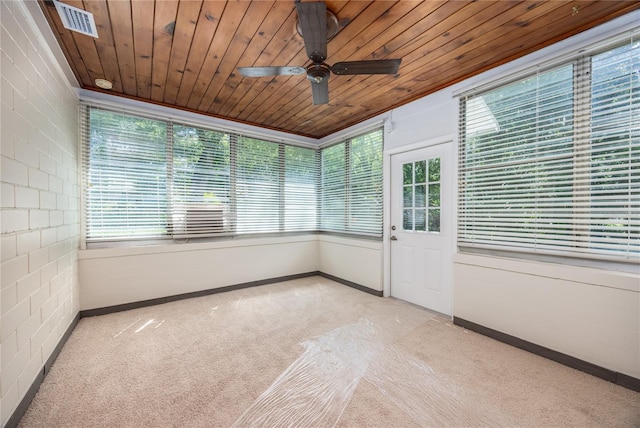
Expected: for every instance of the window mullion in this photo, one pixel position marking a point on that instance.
(347, 186)
(281, 180)
(233, 182)
(319, 192)
(170, 196)
(581, 146)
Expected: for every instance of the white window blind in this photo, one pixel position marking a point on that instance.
(333, 214)
(200, 182)
(351, 185)
(258, 185)
(365, 183)
(551, 163)
(125, 180)
(301, 189)
(154, 179)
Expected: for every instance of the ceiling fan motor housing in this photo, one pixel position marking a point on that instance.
(317, 72)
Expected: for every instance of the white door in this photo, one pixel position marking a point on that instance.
(422, 227)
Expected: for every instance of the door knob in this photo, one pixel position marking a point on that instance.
(393, 238)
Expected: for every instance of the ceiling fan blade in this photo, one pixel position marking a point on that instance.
(270, 71)
(313, 25)
(320, 92)
(376, 66)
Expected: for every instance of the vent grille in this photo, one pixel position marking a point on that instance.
(76, 19)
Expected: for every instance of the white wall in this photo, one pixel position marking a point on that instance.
(356, 260)
(39, 222)
(115, 276)
(590, 314)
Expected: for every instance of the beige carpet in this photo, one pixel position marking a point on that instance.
(309, 352)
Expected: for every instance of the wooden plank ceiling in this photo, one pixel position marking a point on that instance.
(184, 53)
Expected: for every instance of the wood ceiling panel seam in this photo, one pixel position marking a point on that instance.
(229, 22)
(352, 8)
(296, 59)
(190, 54)
(142, 13)
(122, 30)
(369, 86)
(286, 53)
(297, 51)
(110, 65)
(472, 69)
(333, 85)
(100, 12)
(87, 49)
(372, 12)
(389, 26)
(210, 17)
(165, 14)
(593, 21)
(416, 32)
(336, 81)
(67, 44)
(294, 51)
(512, 33)
(376, 84)
(415, 63)
(253, 19)
(417, 96)
(183, 34)
(605, 12)
(282, 46)
(270, 26)
(104, 43)
(472, 50)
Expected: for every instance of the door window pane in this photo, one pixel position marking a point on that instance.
(434, 220)
(407, 173)
(421, 196)
(434, 169)
(421, 220)
(407, 220)
(421, 191)
(408, 197)
(434, 195)
(421, 171)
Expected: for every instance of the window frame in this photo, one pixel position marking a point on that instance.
(285, 226)
(347, 184)
(582, 136)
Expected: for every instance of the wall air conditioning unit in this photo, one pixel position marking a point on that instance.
(198, 220)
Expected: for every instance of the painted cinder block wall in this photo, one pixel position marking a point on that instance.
(40, 208)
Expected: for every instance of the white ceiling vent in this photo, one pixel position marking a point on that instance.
(76, 19)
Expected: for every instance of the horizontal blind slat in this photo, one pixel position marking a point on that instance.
(544, 168)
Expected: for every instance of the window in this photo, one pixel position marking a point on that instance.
(258, 186)
(201, 182)
(421, 196)
(300, 188)
(551, 163)
(153, 179)
(126, 179)
(351, 185)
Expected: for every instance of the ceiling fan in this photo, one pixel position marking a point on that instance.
(312, 24)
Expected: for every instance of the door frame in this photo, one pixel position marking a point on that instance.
(453, 208)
